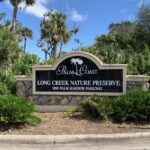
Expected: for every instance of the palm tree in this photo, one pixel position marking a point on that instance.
(26, 33)
(15, 4)
(60, 32)
(54, 31)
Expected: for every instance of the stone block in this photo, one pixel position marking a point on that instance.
(65, 101)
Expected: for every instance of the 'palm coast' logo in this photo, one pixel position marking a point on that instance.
(76, 62)
(78, 70)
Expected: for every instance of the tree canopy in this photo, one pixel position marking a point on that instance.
(126, 42)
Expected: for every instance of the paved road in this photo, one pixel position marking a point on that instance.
(122, 144)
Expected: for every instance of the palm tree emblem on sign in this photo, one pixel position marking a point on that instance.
(76, 62)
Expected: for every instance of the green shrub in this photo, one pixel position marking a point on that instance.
(135, 105)
(7, 85)
(71, 111)
(100, 107)
(10, 81)
(16, 110)
(4, 89)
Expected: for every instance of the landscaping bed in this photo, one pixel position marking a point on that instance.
(57, 124)
(95, 115)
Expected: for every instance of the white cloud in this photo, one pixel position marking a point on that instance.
(38, 9)
(76, 16)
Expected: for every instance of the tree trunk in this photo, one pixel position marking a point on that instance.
(54, 50)
(13, 27)
(25, 43)
(60, 53)
(45, 56)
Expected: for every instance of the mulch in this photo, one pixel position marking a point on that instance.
(58, 124)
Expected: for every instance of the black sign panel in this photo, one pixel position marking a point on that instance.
(79, 74)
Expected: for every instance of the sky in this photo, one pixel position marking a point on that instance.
(92, 17)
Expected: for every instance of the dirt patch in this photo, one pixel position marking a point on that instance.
(57, 124)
